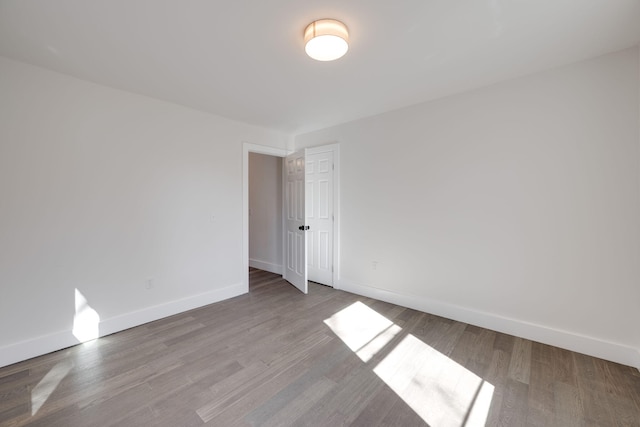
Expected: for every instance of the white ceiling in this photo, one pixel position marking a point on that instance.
(245, 60)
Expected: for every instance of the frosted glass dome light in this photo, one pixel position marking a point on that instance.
(326, 40)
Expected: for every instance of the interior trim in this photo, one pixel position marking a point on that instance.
(568, 340)
(24, 350)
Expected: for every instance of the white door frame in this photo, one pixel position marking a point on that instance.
(280, 152)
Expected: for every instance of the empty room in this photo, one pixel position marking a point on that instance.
(320, 213)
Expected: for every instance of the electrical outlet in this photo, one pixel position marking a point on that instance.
(149, 284)
(374, 265)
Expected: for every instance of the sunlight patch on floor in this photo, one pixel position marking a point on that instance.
(362, 329)
(480, 410)
(86, 322)
(48, 384)
(441, 391)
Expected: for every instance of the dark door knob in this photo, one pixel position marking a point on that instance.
(303, 227)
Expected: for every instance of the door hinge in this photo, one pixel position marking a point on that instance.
(333, 166)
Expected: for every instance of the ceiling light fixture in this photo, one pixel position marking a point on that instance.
(326, 40)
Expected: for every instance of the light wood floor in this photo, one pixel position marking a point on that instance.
(272, 357)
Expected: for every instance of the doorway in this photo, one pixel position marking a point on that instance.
(265, 212)
(331, 259)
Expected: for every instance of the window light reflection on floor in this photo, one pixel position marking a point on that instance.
(48, 384)
(441, 391)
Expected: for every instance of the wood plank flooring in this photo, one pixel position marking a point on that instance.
(275, 357)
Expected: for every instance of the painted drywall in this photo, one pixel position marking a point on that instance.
(111, 193)
(265, 212)
(516, 206)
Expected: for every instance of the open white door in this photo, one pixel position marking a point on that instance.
(295, 271)
(319, 214)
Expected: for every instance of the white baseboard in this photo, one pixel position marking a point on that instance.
(13, 353)
(266, 266)
(579, 343)
(34, 347)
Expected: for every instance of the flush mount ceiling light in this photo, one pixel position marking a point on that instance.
(326, 40)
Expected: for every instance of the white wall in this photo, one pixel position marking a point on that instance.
(515, 207)
(265, 212)
(101, 190)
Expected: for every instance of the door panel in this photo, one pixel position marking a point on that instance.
(319, 212)
(296, 244)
